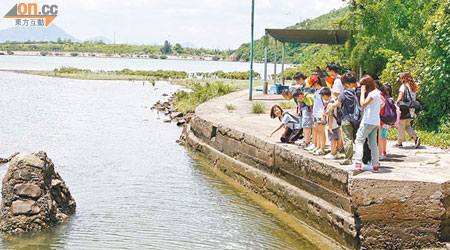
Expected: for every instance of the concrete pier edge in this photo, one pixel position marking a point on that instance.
(394, 209)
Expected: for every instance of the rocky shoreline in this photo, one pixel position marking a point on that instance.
(173, 115)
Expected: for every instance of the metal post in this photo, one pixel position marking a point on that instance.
(282, 65)
(275, 64)
(360, 72)
(251, 53)
(265, 66)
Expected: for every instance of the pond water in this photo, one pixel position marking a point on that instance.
(135, 188)
(97, 63)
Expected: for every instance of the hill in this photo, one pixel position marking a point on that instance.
(23, 34)
(295, 53)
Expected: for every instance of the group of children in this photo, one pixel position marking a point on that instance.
(342, 110)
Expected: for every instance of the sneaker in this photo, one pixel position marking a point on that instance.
(375, 169)
(327, 151)
(330, 157)
(310, 147)
(417, 142)
(366, 167)
(319, 152)
(298, 143)
(340, 156)
(382, 157)
(384, 154)
(343, 163)
(398, 145)
(314, 150)
(357, 166)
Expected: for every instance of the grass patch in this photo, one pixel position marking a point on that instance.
(236, 84)
(288, 105)
(188, 101)
(438, 139)
(230, 107)
(258, 108)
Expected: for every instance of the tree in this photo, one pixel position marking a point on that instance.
(435, 88)
(166, 49)
(178, 48)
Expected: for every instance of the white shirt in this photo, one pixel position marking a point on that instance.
(337, 86)
(402, 89)
(290, 122)
(318, 104)
(372, 111)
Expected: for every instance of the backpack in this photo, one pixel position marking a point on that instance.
(339, 115)
(356, 117)
(390, 111)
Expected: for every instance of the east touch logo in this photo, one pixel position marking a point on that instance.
(29, 14)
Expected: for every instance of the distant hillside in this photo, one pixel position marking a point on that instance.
(294, 52)
(22, 34)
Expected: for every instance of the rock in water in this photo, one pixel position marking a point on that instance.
(34, 196)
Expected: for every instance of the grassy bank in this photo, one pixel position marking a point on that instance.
(201, 92)
(439, 139)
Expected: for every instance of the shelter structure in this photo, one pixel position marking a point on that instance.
(298, 36)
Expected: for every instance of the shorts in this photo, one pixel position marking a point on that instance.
(307, 121)
(335, 135)
(384, 133)
(320, 121)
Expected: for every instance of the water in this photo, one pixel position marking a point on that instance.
(135, 188)
(97, 63)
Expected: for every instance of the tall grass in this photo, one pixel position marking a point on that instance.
(258, 108)
(188, 101)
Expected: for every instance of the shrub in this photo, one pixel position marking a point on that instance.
(258, 108)
(163, 57)
(216, 58)
(230, 107)
(188, 101)
(44, 53)
(74, 54)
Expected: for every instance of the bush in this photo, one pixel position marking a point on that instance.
(188, 101)
(74, 54)
(230, 107)
(10, 52)
(258, 108)
(163, 57)
(44, 53)
(216, 58)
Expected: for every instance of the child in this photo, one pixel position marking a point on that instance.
(347, 100)
(291, 123)
(306, 99)
(369, 124)
(333, 126)
(318, 117)
(387, 93)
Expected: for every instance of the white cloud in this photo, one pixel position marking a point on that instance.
(203, 22)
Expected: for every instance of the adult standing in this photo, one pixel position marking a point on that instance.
(407, 94)
(370, 123)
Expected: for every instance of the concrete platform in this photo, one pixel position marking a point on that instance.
(405, 205)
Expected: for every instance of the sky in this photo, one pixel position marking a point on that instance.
(221, 24)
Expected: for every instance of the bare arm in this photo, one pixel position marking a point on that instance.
(333, 106)
(363, 100)
(276, 130)
(400, 96)
(330, 123)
